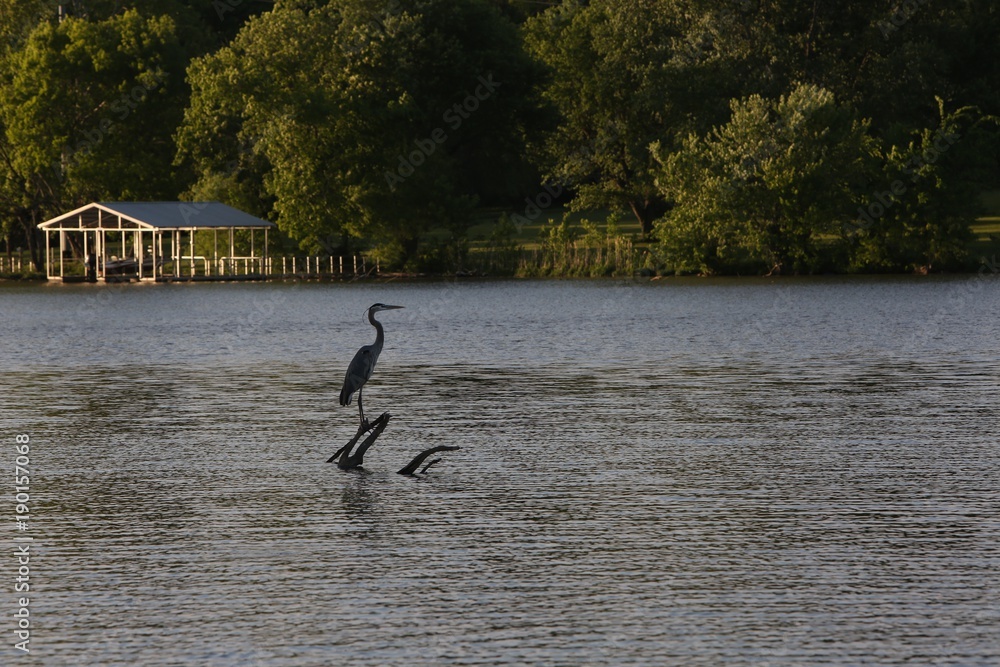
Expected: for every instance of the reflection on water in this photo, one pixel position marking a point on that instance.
(695, 472)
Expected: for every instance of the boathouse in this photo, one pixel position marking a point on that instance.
(121, 241)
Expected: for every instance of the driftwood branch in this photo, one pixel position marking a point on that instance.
(347, 457)
(412, 466)
(429, 464)
(355, 459)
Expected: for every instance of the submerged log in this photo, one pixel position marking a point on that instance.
(411, 467)
(354, 460)
(348, 458)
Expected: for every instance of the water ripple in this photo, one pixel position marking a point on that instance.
(709, 473)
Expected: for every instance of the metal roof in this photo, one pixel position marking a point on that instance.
(156, 215)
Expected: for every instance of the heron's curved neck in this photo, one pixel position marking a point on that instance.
(380, 335)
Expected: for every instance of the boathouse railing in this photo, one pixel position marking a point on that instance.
(200, 267)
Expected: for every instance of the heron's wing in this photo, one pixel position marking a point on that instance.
(358, 372)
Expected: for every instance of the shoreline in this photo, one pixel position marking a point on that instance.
(437, 278)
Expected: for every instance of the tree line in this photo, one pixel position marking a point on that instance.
(740, 135)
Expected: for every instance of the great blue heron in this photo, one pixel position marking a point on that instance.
(363, 363)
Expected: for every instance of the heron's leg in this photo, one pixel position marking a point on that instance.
(364, 422)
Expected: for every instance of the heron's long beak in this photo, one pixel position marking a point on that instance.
(391, 307)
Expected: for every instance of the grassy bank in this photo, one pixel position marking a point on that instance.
(600, 243)
(986, 230)
(575, 246)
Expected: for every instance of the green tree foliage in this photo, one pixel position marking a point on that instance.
(885, 63)
(916, 214)
(780, 127)
(80, 93)
(885, 58)
(609, 64)
(77, 97)
(626, 75)
(765, 189)
(364, 119)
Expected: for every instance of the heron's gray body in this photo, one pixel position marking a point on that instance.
(361, 369)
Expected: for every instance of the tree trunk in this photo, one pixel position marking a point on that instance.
(646, 211)
(31, 239)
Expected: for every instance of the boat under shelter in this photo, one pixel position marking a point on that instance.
(121, 241)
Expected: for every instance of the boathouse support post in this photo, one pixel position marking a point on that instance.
(103, 251)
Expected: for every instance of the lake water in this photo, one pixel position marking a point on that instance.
(682, 472)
